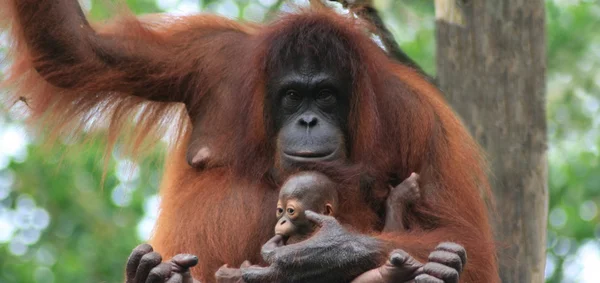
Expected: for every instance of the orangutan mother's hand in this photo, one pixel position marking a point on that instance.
(332, 254)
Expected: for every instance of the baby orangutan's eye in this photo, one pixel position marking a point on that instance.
(290, 211)
(279, 210)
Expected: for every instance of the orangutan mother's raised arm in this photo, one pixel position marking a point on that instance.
(152, 61)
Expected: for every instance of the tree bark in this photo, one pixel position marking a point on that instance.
(491, 62)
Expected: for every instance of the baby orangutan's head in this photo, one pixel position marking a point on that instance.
(307, 190)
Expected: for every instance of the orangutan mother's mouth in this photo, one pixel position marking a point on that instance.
(310, 155)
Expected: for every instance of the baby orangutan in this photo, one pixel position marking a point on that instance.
(311, 190)
(308, 190)
(316, 192)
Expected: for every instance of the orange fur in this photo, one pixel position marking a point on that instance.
(217, 68)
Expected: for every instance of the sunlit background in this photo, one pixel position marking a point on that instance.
(59, 224)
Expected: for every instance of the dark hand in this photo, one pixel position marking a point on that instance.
(401, 267)
(144, 266)
(445, 264)
(332, 254)
(226, 274)
(265, 274)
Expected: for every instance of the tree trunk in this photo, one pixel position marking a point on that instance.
(491, 63)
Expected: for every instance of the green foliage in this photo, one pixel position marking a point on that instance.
(574, 127)
(89, 237)
(413, 24)
(59, 224)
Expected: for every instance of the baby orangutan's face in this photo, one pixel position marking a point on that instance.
(292, 218)
(303, 191)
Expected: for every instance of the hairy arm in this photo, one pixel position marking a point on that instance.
(157, 62)
(70, 72)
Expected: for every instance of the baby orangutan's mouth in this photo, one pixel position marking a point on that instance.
(284, 239)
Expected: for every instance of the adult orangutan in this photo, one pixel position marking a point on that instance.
(309, 87)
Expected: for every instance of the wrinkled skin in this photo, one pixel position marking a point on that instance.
(400, 267)
(444, 265)
(145, 266)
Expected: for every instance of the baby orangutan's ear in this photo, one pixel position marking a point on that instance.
(328, 209)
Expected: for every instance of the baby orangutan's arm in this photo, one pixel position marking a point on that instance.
(398, 201)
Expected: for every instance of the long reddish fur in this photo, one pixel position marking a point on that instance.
(399, 124)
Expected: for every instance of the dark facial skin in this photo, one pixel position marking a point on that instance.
(303, 191)
(310, 106)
